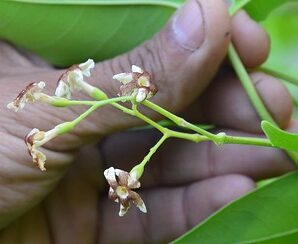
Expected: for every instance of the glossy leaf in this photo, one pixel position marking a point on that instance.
(280, 138)
(267, 215)
(70, 31)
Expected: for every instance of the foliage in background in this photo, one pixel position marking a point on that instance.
(68, 32)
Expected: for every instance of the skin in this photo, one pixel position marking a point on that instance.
(183, 183)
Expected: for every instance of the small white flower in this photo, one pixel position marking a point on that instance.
(31, 93)
(35, 139)
(121, 183)
(137, 83)
(63, 90)
(86, 67)
(73, 79)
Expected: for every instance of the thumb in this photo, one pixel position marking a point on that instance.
(182, 58)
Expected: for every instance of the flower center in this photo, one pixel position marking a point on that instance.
(122, 192)
(143, 81)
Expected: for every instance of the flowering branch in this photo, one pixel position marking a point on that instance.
(136, 87)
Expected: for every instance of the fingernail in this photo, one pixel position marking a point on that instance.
(188, 25)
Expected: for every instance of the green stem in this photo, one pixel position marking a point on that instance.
(225, 140)
(279, 75)
(141, 116)
(122, 108)
(188, 136)
(63, 102)
(166, 131)
(248, 85)
(76, 102)
(252, 93)
(68, 126)
(178, 120)
(84, 115)
(153, 150)
(220, 138)
(247, 141)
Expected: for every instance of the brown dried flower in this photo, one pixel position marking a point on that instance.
(121, 183)
(31, 93)
(137, 83)
(34, 140)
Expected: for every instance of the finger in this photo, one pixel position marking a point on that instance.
(226, 104)
(17, 60)
(75, 200)
(22, 185)
(192, 161)
(250, 39)
(179, 209)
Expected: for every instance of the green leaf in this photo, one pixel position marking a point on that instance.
(282, 28)
(236, 5)
(257, 9)
(260, 9)
(103, 2)
(280, 138)
(70, 31)
(267, 215)
(280, 19)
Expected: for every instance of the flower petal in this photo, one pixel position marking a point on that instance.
(38, 158)
(36, 138)
(136, 69)
(74, 79)
(123, 210)
(141, 205)
(86, 67)
(132, 182)
(141, 95)
(144, 80)
(111, 177)
(124, 78)
(138, 201)
(63, 90)
(41, 85)
(29, 94)
(113, 195)
(122, 177)
(14, 107)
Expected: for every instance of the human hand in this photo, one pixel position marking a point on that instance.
(184, 183)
